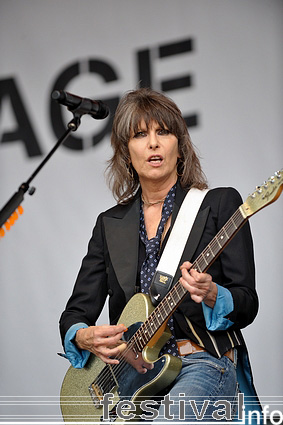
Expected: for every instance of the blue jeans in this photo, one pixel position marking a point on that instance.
(199, 390)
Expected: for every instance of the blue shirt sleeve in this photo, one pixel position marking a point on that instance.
(77, 357)
(215, 318)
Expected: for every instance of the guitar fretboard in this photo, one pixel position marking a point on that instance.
(175, 296)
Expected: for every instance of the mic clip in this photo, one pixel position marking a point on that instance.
(83, 108)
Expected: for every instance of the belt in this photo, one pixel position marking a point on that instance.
(186, 346)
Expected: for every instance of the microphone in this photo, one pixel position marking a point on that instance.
(97, 109)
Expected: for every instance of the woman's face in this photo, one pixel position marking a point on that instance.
(154, 153)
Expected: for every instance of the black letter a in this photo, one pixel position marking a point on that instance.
(24, 131)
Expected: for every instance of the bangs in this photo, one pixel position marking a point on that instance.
(165, 118)
(147, 106)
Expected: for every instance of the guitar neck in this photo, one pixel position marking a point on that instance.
(218, 243)
(175, 296)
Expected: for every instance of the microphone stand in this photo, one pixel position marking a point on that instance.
(14, 202)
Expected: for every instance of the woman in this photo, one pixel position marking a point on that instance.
(152, 168)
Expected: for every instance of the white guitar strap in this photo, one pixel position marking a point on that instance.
(175, 245)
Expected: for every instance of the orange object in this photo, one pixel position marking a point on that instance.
(7, 225)
(15, 215)
(11, 220)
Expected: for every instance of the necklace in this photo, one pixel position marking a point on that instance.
(152, 203)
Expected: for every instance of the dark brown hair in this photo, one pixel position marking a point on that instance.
(148, 105)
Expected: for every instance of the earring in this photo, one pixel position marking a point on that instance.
(180, 165)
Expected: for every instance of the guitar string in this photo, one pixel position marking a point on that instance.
(121, 357)
(136, 339)
(230, 227)
(219, 241)
(133, 341)
(216, 243)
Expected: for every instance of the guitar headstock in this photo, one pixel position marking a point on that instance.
(264, 195)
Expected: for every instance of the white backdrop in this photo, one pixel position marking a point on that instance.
(235, 65)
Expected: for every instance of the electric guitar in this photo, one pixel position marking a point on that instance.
(83, 390)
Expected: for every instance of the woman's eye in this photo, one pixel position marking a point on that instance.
(163, 132)
(140, 134)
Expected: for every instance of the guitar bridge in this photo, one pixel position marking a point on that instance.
(96, 394)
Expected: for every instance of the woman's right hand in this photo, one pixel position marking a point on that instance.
(104, 341)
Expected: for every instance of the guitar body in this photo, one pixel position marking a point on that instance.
(83, 389)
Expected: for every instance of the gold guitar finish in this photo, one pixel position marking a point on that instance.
(77, 405)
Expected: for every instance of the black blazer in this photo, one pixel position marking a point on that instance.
(114, 255)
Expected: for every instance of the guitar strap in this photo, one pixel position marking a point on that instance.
(168, 263)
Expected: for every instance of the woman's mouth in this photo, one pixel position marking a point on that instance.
(155, 159)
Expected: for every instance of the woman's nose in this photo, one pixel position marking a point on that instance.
(153, 140)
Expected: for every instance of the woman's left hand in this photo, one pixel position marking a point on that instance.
(199, 285)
